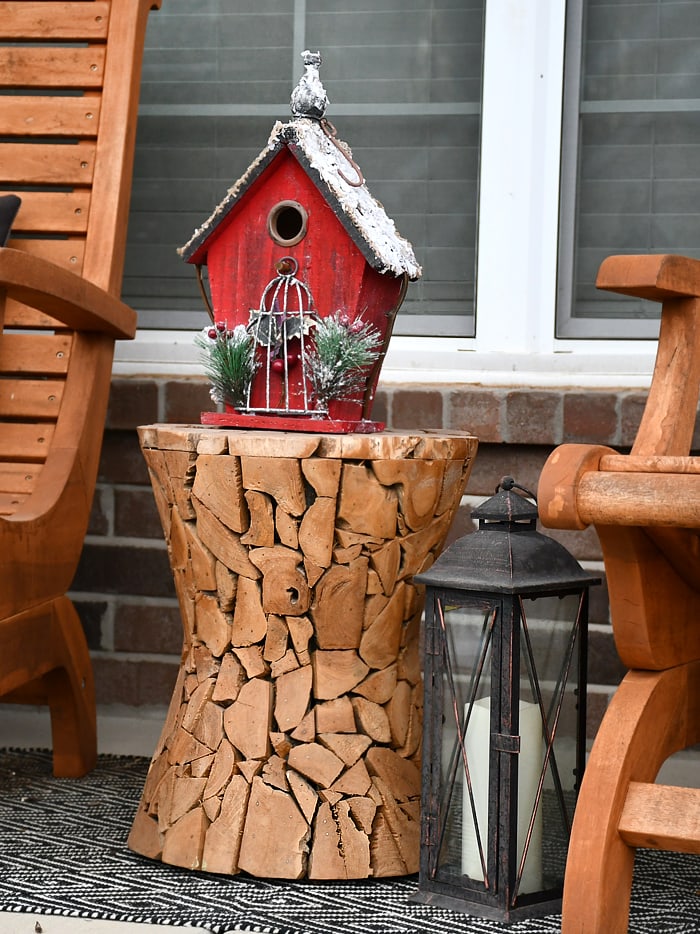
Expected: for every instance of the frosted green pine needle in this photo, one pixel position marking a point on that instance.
(229, 363)
(342, 353)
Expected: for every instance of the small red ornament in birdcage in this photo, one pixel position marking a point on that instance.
(306, 273)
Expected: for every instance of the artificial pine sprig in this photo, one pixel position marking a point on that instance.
(342, 352)
(229, 362)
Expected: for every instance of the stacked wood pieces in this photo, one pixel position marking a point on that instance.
(292, 744)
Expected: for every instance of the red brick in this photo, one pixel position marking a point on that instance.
(631, 410)
(186, 399)
(495, 461)
(99, 515)
(135, 513)
(416, 408)
(147, 628)
(134, 682)
(477, 411)
(380, 407)
(533, 417)
(121, 569)
(92, 615)
(132, 402)
(591, 417)
(121, 460)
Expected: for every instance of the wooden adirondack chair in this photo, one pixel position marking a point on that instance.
(646, 510)
(69, 86)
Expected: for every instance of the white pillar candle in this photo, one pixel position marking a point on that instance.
(529, 767)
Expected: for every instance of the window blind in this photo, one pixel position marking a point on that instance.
(635, 142)
(404, 82)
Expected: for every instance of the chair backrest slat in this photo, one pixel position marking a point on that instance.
(41, 19)
(35, 354)
(72, 117)
(40, 399)
(18, 478)
(54, 67)
(27, 442)
(47, 164)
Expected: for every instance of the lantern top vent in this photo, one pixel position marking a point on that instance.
(507, 509)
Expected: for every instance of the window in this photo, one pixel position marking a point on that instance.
(631, 153)
(404, 82)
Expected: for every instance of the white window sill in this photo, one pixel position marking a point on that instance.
(414, 360)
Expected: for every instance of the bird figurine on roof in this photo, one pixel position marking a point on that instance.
(309, 98)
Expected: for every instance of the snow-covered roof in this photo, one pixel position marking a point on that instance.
(326, 161)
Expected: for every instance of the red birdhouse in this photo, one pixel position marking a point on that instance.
(306, 274)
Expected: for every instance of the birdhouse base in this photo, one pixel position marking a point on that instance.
(334, 426)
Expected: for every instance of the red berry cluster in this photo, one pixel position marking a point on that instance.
(218, 329)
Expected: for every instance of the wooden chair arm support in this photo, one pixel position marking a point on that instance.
(655, 277)
(583, 485)
(77, 303)
(557, 491)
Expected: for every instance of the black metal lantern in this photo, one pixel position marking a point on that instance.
(505, 707)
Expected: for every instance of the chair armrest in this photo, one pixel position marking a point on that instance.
(655, 276)
(75, 302)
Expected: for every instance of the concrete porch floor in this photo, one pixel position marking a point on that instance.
(122, 732)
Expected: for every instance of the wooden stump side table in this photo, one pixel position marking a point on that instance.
(292, 743)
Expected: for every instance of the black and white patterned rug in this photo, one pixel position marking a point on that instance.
(63, 852)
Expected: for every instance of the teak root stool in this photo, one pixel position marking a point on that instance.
(292, 744)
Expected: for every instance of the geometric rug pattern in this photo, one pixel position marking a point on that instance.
(63, 852)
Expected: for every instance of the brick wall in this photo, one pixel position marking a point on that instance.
(124, 591)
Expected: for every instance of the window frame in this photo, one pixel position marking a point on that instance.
(516, 290)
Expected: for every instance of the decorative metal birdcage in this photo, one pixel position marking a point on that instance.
(281, 329)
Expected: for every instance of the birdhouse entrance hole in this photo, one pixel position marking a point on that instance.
(286, 223)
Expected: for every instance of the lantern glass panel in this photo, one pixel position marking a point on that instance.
(505, 668)
(467, 630)
(550, 658)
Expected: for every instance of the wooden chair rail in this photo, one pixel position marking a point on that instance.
(661, 817)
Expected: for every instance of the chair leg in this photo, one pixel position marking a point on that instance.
(71, 696)
(44, 658)
(649, 718)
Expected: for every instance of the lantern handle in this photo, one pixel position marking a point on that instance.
(508, 483)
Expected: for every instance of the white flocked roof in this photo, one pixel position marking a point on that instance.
(361, 213)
